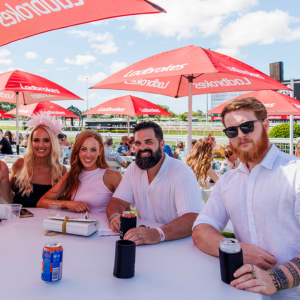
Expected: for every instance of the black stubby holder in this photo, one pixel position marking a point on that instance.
(125, 225)
(229, 263)
(124, 259)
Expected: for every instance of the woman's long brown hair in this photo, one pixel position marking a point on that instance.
(73, 182)
(200, 159)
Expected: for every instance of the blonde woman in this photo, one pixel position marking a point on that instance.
(200, 159)
(35, 174)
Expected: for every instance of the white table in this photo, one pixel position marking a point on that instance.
(170, 270)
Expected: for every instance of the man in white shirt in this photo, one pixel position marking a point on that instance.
(262, 199)
(164, 190)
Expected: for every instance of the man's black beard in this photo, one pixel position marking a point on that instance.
(148, 162)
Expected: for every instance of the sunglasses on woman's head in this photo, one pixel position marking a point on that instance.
(246, 127)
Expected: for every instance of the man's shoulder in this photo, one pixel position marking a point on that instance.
(285, 159)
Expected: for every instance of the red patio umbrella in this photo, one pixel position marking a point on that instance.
(26, 88)
(275, 103)
(189, 71)
(20, 20)
(3, 114)
(49, 108)
(129, 106)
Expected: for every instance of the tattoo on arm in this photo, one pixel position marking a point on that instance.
(280, 279)
(294, 272)
(296, 261)
(278, 275)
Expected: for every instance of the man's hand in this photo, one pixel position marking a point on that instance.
(262, 284)
(257, 256)
(79, 206)
(143, 236)
(114, 224)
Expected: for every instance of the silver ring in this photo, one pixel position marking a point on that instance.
(252, 268)
(140, 236)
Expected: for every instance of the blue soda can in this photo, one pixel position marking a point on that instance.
(52, 262)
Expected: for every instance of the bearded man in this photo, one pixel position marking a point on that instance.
(165, 191)
(262, 199)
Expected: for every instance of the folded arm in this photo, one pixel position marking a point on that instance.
(56, 192)
(175, 230)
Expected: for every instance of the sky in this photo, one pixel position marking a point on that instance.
(255, 32)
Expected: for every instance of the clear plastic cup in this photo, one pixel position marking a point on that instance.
(13, 214)
(54, 209)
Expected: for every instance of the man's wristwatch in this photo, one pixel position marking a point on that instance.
(161, 233)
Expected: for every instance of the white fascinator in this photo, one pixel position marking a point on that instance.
(44, 119)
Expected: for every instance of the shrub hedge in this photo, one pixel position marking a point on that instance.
(283, 131)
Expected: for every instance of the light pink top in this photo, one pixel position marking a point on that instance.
(93, 191)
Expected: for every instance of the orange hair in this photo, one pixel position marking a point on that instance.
(73, 182)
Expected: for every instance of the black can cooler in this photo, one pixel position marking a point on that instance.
(124, 259)
(231, 258)
(127, 221)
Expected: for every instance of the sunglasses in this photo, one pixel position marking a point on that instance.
(246, 128)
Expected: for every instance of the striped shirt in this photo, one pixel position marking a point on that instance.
(173, 192)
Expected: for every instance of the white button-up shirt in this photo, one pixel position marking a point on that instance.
(263, 206)
(173, 192)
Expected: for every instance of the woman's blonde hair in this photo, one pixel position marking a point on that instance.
(26, 174)
(200, 159)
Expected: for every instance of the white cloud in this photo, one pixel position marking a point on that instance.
(4, 52)
(5, 61)
(31, 55)
(106, 47)
(61, 68)
(270, 27)
(186, 20)
(116, 66)
(92, 36)
(92, 78)
(50, 61)
(81, 60)
(130, 43)
(122, 27)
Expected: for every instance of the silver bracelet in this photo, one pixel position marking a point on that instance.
(112, 216)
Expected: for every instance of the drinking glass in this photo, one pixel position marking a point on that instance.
(54, 209)
(13, 214)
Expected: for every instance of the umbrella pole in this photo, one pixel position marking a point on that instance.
(128, 126)
(292, 121)
(189, 141)
(291, 135)
(17, 125)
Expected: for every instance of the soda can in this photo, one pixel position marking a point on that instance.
(231, 258)
(52, 260)
(127, 221)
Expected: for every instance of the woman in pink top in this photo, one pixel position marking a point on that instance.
(89, 185)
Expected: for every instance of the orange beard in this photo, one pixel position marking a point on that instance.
(257, 150)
